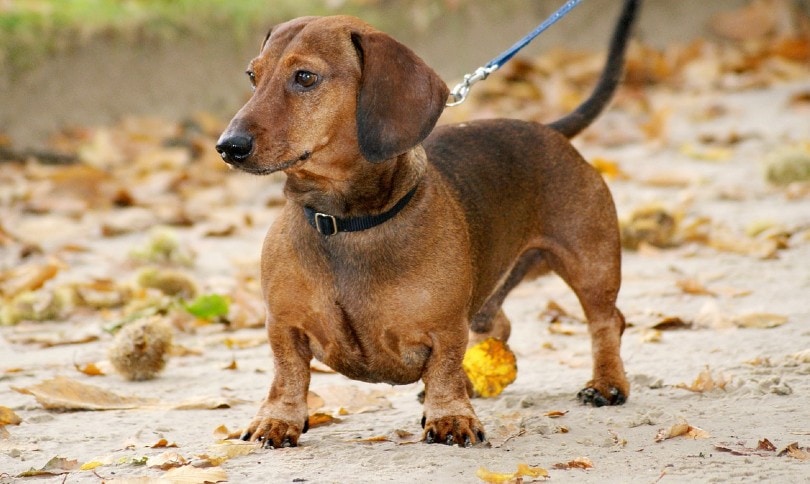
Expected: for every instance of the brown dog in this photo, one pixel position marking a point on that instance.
(388, 251)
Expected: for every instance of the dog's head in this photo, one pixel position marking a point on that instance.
(331, 90)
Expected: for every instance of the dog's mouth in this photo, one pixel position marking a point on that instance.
(262, 169)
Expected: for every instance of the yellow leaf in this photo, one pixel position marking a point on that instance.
(89, 466)
(681, 428)
(608, 168)
(8, 417)
(90, 369)
(319, 419)
(491, 366)
(523, 470)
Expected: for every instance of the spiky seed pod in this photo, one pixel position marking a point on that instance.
(140, 349)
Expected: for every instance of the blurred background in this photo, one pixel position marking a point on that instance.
(87, 62)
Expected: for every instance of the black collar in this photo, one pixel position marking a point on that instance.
(328, 225)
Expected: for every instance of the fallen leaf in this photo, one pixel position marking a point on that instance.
(759, 320)
(706, 382)
(608, 168)
(523, 470)
(706, 153)
(766, 444)
(681, 429)
(8, 417)
(89, 466)
(232, 365)
(193, 475)
(739, 448)
(578, 463)
(166, 460)
(225, 450)
(399, 437)
(651, 336)
(62, 393)
(244, 343)
(556, 413)
(29, 277)
(505, 428)
(694, 287)
(671, 324)
(491, 366)
(649, 224)
(90, 369)
(162, 444)
(793, 450)
(54, 467)
(320, 419)
(208, 306)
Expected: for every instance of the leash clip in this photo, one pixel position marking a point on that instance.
(462, 89)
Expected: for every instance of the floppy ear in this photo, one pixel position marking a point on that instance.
(400, 97)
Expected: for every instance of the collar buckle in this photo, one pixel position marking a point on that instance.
(326, 224)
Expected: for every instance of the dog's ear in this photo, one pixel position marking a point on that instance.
(400, 97)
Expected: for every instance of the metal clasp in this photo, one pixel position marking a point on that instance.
(462, 89)
(325, 221)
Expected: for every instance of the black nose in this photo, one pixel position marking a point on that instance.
(234, 148)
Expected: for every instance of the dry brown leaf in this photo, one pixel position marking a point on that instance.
(671, 323)
(556, 413)
(793, 450)
(232, 365)
(759, 320)
(694, 287)
(399, 437)
(319, 419)
(764, 449)
(162, 444)
(167, 460)
(578, 463)
(225, 450)
(8, 417)
(62, 393)
(29, 277)
(54, 467)
(681, 429)
(523, 470)
(193, 475)
(89, 369)
(706, 382)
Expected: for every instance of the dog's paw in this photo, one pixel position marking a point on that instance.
(591, 396)
(453, 430)
(273, 433)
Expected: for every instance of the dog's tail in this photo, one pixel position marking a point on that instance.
(571, 124)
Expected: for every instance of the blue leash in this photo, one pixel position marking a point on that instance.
(462, 89)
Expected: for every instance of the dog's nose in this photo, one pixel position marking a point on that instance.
(235, 148)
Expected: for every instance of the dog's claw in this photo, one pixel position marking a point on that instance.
(286, 443)
(594, 397)
(430, 437)
(450, 440)
(481, 436)
(467, 441)
(306, 426)
(424, 419)
(245, 436)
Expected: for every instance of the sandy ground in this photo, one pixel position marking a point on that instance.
(764, 372)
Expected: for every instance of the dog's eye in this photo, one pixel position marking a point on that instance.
(306, 79)
(252, 77)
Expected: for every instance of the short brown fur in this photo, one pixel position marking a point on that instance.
(495, 201)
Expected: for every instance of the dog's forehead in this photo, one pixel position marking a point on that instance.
(315, 33)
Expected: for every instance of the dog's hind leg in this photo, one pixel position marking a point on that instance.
(595, 277)
(490, 321)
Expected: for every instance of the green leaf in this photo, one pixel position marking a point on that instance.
(208, 306)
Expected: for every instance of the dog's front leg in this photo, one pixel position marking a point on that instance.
(449, 417)
(282, 418)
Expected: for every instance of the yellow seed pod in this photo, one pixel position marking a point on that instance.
(491, 366)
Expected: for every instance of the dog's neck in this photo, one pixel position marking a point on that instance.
(362, 188)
